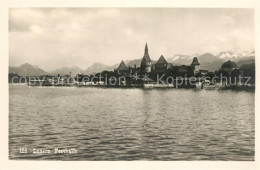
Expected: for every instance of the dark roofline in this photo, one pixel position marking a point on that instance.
(195, 61)
(161, 60)
(122, 66)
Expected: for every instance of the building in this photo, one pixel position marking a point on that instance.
(195, 65)
(228, 67)
(123, 69)
(161, 65)
(237, 76)
(189, 70)
(203, 72)
(182, 71)
(146, 63)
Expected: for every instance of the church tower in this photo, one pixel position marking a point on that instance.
(195, 65)
(146, 63)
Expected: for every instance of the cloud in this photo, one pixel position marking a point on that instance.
(57, 37)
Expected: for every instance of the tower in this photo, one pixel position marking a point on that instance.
(146, 63)
(161, 64)
(122, 68)
(195, 65)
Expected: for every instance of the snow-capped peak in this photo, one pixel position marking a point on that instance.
(231, 55)
(226, 54)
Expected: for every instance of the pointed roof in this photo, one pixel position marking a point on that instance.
(122, 66)
(146, 48)
(195, 61)
(146, 57)
(161, 60)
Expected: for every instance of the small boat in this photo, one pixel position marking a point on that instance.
(210, 86)
(148, 83)
(156, 85)
(148, 86)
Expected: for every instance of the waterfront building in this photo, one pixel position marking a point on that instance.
(239, 76)
(123, 69)
(189, 70)
(181, 71)
(228, 67)
(161, 65)
(195, 65)
(146, 63)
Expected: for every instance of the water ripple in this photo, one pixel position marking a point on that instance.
(132, 124)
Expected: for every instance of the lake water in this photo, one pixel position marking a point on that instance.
(131, 124)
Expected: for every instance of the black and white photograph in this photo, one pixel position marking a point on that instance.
(131, 84)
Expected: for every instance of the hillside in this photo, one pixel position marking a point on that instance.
(211, 62)
(27, 70)
(98, 67)
(207, 61)
(66, 70)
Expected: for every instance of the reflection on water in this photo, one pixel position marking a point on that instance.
(131, 124)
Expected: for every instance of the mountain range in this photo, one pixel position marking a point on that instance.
(67, 70)
(207, 61)
(27, 70)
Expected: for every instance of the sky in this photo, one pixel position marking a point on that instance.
(52, 38)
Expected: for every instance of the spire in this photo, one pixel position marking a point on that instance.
(146, 57)
(146, 49)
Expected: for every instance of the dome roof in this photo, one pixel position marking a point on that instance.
(229, 64)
